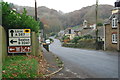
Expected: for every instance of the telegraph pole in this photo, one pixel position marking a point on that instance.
(96, 24)
(35, 10)
(119, 33)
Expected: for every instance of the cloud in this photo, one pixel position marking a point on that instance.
(63, 5)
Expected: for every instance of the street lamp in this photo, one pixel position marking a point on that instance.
(96, 25)
(35, 10)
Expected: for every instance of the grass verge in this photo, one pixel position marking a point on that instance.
(20, 67)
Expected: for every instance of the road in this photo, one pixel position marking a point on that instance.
(81, 63)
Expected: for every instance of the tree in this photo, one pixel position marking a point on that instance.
(12, 19)
(75, 39)
(99, 24)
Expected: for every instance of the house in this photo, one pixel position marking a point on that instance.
(67, 32)
(112, 29)
(93, 26)
(61, 34)
(85, 23)
(85, 29)
(70, 32)
(90, 29)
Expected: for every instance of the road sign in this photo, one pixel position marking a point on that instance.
(19, 32)
(19, 49)
(19, 41)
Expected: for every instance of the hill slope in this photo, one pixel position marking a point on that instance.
(56, 21)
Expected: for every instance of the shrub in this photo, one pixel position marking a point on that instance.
(80, 45)
(65, 37)
(75, 39)
(12, 19)
(52, 34)
(100, 24)
(87, 37)
(87, 40)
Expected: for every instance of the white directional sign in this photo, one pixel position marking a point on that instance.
(19, 41)
(19, 32)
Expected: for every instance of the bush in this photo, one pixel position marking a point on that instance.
(12, 19)
(52, 34)
(83, 43)
(75, 39)
(80, 45)
(100, 24)
(87, 40)
(87, 37)
(65, 37)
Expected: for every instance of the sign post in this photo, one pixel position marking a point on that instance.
(19, 41)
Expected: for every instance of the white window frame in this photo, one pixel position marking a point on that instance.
(114, 23)
(114, 38)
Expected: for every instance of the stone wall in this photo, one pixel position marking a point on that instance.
(3, 43)
(108, 38)
(35, 45)
(3, 48)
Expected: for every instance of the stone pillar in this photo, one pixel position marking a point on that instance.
(33, 43)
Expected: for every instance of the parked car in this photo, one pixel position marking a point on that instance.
(47, 41)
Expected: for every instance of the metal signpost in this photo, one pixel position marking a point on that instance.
(19, 41)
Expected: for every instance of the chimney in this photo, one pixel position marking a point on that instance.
(117, 3)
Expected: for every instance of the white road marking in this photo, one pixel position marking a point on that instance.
(68, 70)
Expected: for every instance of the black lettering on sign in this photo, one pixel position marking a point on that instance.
(21, 34)
(18, 31)
(23, 41)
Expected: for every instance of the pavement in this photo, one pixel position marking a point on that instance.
(53, 65)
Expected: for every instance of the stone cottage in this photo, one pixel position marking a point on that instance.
(112, 29)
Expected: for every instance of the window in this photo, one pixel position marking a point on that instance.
(69, 31)
(114, 23)
(114, 38)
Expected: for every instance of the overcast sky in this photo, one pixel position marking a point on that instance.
(63, 5)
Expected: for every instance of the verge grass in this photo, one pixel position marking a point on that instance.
(20, 67)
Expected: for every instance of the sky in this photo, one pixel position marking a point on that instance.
(62, 5)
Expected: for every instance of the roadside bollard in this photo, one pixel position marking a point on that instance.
(46, 46)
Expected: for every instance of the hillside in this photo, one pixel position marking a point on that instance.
(88, 13)
(55, 21)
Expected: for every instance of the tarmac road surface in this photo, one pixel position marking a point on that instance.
(81, 63)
